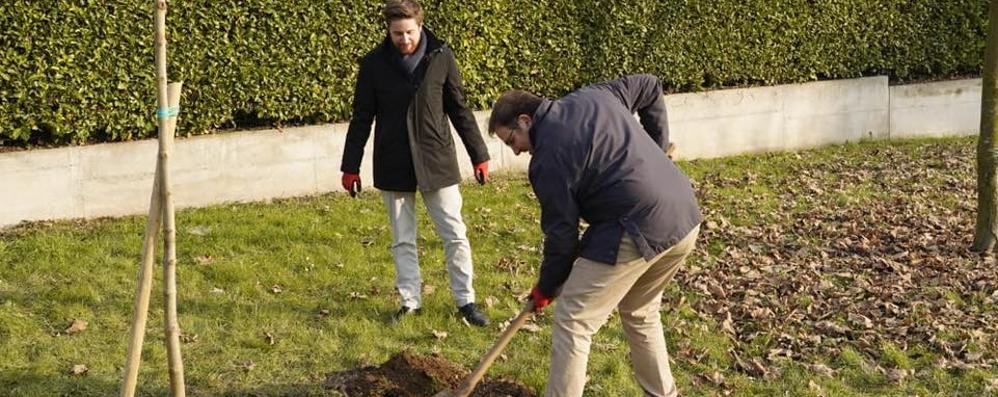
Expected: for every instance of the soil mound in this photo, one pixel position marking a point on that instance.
(408, 375)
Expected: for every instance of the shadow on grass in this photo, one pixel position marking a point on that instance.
(290, 390)
(19, 382)
(22, 383)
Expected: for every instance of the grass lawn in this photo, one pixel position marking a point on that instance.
(273, 296)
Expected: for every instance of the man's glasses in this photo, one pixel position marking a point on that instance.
(509, 138)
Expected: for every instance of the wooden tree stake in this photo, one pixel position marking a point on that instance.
(160, 207)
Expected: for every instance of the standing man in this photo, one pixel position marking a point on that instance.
(593, 160)
(410, 85)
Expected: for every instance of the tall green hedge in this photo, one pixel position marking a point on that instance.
(82, 71)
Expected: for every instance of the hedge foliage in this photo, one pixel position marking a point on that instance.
(82, 71)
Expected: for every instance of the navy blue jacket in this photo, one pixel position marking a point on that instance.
(593, 160)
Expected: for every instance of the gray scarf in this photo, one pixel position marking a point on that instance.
(410, 61)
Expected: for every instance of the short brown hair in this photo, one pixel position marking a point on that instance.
(511, 104)
(402, 9)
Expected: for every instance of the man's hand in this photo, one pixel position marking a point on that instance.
(351, 183)
(482, 172)
(540, 301)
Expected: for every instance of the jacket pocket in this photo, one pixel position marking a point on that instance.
(435, 128)
(438, 136)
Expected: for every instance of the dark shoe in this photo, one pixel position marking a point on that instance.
(473, 314)
(403, 312)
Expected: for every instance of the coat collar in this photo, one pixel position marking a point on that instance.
(394, 58)
(432, 44)
(539, 115)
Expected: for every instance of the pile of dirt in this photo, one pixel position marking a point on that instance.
(408, 375)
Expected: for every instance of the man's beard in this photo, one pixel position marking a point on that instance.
(407, 49)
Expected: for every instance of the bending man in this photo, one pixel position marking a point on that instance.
(592, 160)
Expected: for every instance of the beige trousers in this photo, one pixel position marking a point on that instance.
(634, 287)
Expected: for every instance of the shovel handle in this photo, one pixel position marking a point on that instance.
(480, 177)
(472, 380)
(354, 188)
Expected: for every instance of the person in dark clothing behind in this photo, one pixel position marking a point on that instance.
(411, 86)
(593, 160)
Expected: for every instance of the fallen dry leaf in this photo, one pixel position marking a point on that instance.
(439, 334)
(199, 230)
(896, 375)
(816, 388)
(860, 320)
(79, 369)
(188, 338)
(727, 326)
(357, 295)
(973, 356)
(76, 327)
(716, 378)
(717, 291)
(248, 366)
(822, 370)
(759, 368)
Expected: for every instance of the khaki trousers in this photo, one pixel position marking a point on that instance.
(634, 287)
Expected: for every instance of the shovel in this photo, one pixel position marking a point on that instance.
(469, 383)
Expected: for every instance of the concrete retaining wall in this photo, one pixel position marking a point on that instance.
(727, 122)
(116, 179)
(936, 109)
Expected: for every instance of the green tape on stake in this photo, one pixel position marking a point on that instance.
(172, 111)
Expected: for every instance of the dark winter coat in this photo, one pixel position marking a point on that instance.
(413, 145)
(593, 160)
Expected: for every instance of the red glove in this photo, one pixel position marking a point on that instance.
(482, 172)
(540, 301)
(351, 183)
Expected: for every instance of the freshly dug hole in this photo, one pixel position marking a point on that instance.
(408, 375)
